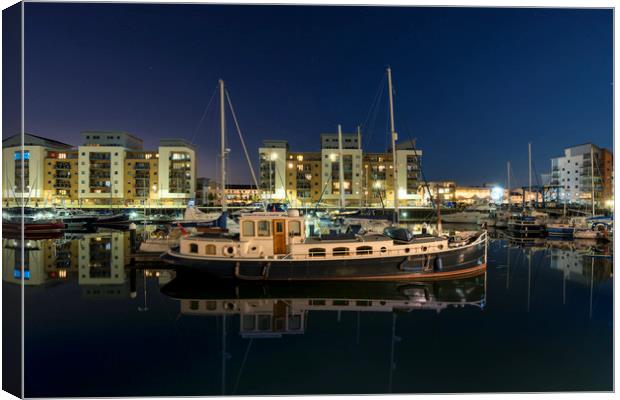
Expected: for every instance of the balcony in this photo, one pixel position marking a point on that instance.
(62, 166)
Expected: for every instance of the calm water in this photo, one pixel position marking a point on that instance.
(540, 319)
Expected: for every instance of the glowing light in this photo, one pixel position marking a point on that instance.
(273, 156)
(497, 193)
(333, 157)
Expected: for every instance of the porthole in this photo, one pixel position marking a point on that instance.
(383, 249)
(424, 248)
(407, 250)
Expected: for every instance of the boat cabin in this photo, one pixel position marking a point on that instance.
(271, 235)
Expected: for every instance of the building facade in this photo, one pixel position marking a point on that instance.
(582, 170)
(304, 179)
(109, 169)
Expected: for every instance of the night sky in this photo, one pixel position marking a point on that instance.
(472, 85)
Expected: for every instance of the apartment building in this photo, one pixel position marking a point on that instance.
(109, 169)
(575, 173)
(307, 178)
(28, 161)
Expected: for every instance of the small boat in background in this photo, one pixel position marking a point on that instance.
(193, 217)
(164, 238)
(585, 233)
(560, 230)
(75, 218)
(36, 223)
(528, 224)
(113, 220)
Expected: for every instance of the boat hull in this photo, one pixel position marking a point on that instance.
(525, 230)
(459, 261)
(33, 231)
(564, 232)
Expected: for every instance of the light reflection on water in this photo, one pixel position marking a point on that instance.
(539, 319)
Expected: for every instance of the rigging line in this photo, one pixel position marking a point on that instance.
(283, 185)
(372, 122)
(373, 119)
(371, 115)
(245, 150)
(322, 192)
(408, 131)
(204, 114)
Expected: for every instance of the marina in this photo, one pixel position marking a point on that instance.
(295, 200)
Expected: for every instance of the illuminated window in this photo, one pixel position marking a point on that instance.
(248, 228)
(264, 228)
(294, 228)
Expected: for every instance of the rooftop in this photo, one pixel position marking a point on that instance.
(33, 140)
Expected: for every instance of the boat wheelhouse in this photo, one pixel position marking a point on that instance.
(275, 246)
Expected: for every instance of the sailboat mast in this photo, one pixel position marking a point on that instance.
(592, 176)
(529, 156)
(393, 134)
(340, 168)
(508, 183)
(222, 147)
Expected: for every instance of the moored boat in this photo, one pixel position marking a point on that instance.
(193, 217)
(526, 225)
(274, 246)
(75, 218)
(33, 230)
(113, 220)
(562, 230)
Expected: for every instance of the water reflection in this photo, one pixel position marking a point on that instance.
(275, 310)
(540, 298)
(97, 259)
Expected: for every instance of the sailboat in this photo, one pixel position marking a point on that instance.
(529, 223)
(372, 223)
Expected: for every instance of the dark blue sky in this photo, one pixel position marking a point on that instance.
(472, 85)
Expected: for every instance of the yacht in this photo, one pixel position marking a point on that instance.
(274, 246)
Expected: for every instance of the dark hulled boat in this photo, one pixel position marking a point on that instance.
(274, 247)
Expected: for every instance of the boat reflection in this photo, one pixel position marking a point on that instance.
(273, 310)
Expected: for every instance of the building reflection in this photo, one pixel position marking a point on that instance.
(275, 310)
(97, 260)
